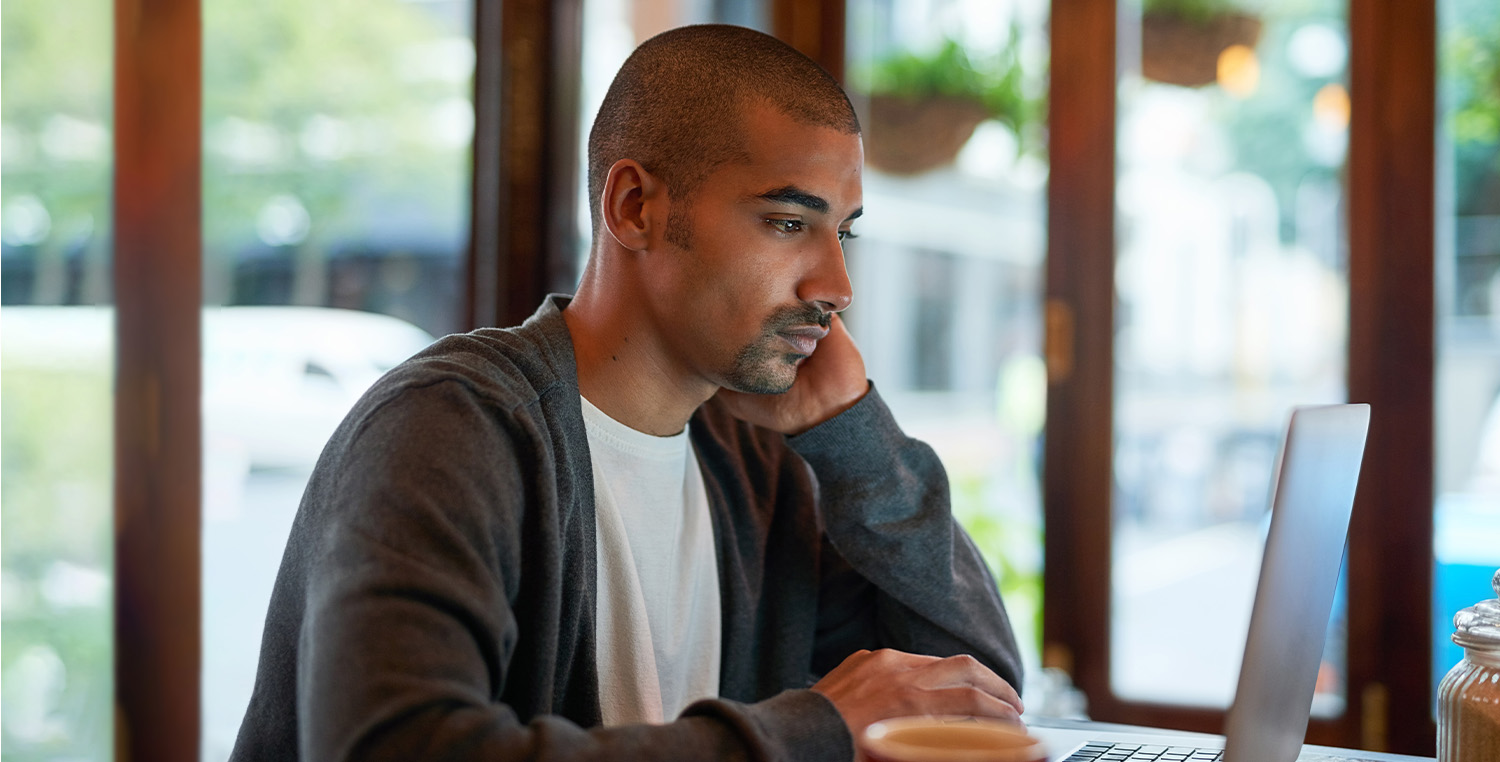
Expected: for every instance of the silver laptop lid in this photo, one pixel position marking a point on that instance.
(1311, 503)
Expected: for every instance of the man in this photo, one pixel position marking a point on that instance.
(666, 519)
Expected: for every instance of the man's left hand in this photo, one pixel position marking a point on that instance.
(829, 382)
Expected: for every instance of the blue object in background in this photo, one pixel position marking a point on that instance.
(1466, 547)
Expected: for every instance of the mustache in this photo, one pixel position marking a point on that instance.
(803, 314)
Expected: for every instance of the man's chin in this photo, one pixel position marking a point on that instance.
(760, 388)
(765, 380)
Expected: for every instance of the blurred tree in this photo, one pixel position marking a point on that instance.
(1270, 129)
(1470, 88)
(55, 159)
(322, 121)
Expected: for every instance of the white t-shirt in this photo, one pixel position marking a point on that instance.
(657, 637)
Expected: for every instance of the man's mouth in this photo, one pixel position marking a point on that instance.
(803, 339)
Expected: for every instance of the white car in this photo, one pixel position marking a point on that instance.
(276, 380)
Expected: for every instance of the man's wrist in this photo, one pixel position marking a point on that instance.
(798, 724)
(832, 412)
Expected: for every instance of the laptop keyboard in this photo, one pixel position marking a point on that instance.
(1130, 752)
(1134, 752)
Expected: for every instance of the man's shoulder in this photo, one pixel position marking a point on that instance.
(472, 386)
(493, 364)
(510, 368)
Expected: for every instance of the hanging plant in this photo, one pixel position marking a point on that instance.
(1181, 40)
(924, 108)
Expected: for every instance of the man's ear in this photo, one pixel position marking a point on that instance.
(633, 205)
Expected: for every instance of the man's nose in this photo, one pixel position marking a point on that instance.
(827, 283)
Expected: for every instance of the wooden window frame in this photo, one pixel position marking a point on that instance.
(1390, 179)
(157, 229)
(523, 232)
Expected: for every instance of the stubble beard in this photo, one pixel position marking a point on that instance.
(764, 366)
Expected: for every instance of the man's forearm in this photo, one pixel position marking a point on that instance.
(886, 510)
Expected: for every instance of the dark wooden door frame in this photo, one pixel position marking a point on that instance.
(1079, 324)
(157, 204)
(523, 241)
(814, 27)
(1392, 211)
(1391, 365)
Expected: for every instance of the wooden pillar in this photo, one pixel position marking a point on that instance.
(157, 272)
(1393, 80)
(814, 27)
(526, 82)
(1080, 342)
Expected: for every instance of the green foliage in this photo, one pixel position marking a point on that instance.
(281, 61)
(55, 435)
(57, 57)
(1193, 10)
(55, 63)
(1473, 53)
(998, 538)
(288, 66)
(277, 70)
(994, 82)
(1266, 131)
(1470, 94)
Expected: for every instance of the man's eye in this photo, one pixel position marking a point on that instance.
(846, 235)
(786, 226)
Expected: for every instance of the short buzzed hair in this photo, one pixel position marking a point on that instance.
(677, 104)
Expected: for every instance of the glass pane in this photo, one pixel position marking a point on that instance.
(336, 189)
(1231, 277)
(948, 266)
(56, 349)
(1467, 514)
(611, 30)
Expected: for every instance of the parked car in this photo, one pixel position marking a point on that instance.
(276, 380)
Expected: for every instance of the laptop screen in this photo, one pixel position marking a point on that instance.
(1311, 504)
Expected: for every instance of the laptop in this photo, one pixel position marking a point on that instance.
(1312, 497)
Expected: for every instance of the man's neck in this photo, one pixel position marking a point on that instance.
(624, 369)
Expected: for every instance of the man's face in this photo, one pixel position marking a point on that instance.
(747, 291)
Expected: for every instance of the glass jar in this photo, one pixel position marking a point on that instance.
(1469, 696)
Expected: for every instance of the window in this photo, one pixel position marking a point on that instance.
(56, 353)
(1466, 531)
(947, 269)
(336, 187)
(1231, 275)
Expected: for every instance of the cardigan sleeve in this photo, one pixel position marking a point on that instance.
(903, 574)
(416, 596)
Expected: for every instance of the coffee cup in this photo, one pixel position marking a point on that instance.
(949, 739)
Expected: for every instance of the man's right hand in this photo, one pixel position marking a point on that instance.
(870, 686)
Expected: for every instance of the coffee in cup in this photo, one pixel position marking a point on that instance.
(949, 739)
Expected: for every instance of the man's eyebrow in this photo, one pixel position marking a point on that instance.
(791, 194)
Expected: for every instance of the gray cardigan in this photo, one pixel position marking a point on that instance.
(436, 597)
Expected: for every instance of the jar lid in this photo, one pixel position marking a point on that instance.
(1478, 626)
